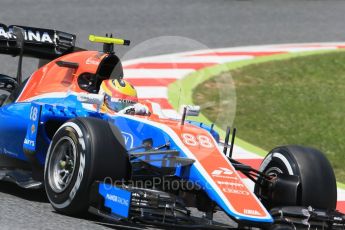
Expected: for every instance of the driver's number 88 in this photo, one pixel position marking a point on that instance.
(198, 140)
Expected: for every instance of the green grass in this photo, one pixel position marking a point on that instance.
(294, 100)
(181, 91)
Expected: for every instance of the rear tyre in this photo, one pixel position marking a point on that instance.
(317, 180)
(82, 151)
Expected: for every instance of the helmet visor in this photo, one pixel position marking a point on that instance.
(116, 104)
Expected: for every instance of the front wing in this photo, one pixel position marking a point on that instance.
(130, 205)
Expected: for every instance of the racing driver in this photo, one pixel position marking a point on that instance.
(121, 97)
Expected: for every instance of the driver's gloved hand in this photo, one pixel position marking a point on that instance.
(136, 109)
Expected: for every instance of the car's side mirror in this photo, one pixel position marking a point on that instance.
(190, 110)
(7, 83)
(90, 98)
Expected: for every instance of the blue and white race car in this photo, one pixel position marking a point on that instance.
(140, 168)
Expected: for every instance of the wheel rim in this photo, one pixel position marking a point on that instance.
(62, 164)
(271, 171)
(274, 171)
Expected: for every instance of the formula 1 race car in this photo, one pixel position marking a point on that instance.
(140, 169)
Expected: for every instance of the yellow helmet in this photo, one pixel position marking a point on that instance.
(118, 94)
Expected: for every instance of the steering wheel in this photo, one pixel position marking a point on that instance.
(7, 83)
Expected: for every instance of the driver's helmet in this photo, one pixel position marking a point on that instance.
(118, 94)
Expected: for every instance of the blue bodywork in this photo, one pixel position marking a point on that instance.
(117, 199)
(16, 125)
(24, 131)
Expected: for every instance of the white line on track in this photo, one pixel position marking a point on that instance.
(341, 194)
(241, 153)
(157, 73)
(171, 113)
(152, 92)
(199, 59)
(305, 49)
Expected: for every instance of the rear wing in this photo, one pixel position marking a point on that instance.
(38, 42)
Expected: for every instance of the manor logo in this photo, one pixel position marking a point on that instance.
(117, 199)
(30, 35)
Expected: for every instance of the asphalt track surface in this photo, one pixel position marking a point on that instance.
(214, 23)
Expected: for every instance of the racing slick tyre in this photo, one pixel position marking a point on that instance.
(82, 151)
(317, 184)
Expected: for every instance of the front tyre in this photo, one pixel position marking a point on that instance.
(317, 186)
(82, 151)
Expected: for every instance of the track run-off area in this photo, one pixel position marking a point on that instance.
(152, 77)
